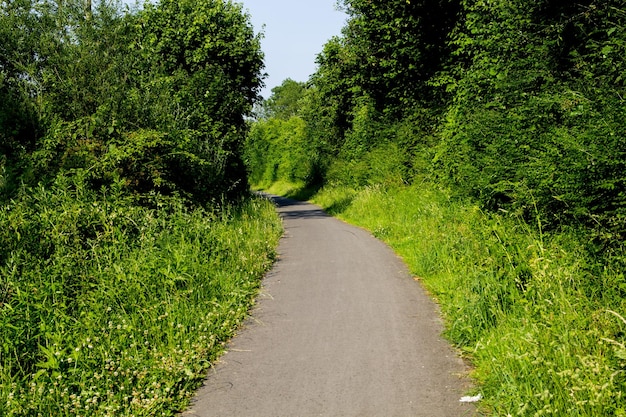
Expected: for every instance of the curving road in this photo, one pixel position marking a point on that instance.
(340, 329)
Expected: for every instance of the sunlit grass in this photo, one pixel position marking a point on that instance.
(114, 309)
(296, 190)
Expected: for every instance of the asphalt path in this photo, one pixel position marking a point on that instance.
(340, 328)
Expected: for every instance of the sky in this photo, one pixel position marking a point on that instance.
(295, 32)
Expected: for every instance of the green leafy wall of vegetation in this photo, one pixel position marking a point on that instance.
(485, 141)
(157, 96)
(129, 247)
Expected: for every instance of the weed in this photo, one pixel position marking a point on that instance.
(114, 309)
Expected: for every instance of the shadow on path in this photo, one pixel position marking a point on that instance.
(294, 209)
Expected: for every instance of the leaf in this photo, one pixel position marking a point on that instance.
(620, 353)
(51, 361)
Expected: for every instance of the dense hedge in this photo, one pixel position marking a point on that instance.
(158, 95)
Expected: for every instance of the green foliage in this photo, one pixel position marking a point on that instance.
(214, 59)
(537, 119)
(20, 34)
(400, 45)
(370, 153)
(74, 77)
(328, 105)
(88, 65)
(285, 100)
(217, 34)
(531, 96)
(109, 308)
(212, 48)
(277, 150)
(280, 146)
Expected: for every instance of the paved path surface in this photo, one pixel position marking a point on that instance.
(340, 329)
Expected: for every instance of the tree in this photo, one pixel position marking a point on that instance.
(22, 33)
(158, 96)
(331, 98)
(208, 55)
(400, 44)
(285, 100)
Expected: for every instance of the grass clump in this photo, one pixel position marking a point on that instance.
(290, 189)
(539, 316)
(113, 308)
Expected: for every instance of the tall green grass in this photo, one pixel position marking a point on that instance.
(541, 318)
(110, 308)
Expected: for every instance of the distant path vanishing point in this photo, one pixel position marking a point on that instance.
(340, 329)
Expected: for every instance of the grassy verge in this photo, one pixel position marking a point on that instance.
(297, 191)
(541, 320)
(113, 309)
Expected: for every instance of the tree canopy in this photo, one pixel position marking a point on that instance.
(157, 96)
